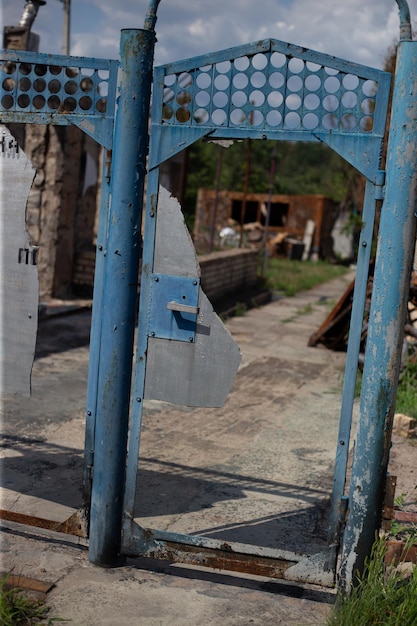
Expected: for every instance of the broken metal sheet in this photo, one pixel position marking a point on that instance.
(200, 371)
(19, 287)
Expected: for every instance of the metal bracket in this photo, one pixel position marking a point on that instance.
(173, 307)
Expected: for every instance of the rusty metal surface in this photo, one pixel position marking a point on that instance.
(74, 525)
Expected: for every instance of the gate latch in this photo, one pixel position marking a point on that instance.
(173, 307)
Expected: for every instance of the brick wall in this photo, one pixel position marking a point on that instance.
(222, 273)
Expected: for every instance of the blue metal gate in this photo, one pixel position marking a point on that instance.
(266, 90)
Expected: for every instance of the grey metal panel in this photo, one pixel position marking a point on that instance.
(194, 374)
(19, 288)
(190, 374)
(174, 249)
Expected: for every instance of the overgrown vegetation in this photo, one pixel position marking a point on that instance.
(290, 276)
(381, 597)
(17, 609)
(407, 385)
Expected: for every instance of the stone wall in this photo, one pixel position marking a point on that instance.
(228, 271)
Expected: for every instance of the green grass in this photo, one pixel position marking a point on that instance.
(290, 276)
(18, 609)
(381, 596)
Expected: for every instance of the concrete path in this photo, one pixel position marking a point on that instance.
(257, 471)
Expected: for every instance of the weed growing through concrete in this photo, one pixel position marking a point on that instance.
(380, 597)
(17, 609)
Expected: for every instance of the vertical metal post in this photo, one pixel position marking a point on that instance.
(120, 293)
(386, 322)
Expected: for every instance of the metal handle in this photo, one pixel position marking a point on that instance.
(182, 308)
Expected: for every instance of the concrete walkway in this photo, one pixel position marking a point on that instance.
(257, 471)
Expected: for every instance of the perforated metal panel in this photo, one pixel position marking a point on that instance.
(55, 89)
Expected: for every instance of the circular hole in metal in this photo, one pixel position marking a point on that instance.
(220, 99)
(239, 98)
(103, 88)
(331, 71)
(275, 99)
(70, 104)
(348, 121)
(71, 72)
(278, 59)
(369, 88)
(202, 98)
(8, 84)
(55, 70)
(40, 70)
(185, 80)
(170, 80)
(9, 67)
(201, 116)
(54, 85)
(332, 84)
(25, 84)
(103, 74)
(87, 85)
(292, 120)
(38, 102)
(87, 71)
(101, 105)
(313, 67)
(240, 81)
(350, 81)
(257, 98)
(54, 102)
(259, 61)
(293, 102)
(71, 87)
(23, 101)
(203, 81)
(330, 103)
(237, 117)
(39, 85)
(311, 101)
(312, 82)
(256, 118)
(295, 65)
(167, 113)
(182, 115)
(7, 102)
(349, 99)
(219, 117)
(329, 121)
(85, 103)
(276, 80)
(368, 106)
(183, 97)
(169, 95)
(241, 63)
(274, 118)
(294, 83)
(310, 121)
(223, 67)
(258, 79)
(221, 82)
(25, 69)
(366, 123)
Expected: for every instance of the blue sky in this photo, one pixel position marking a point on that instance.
(356, 30)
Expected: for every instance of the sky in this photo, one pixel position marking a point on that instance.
(361, 31)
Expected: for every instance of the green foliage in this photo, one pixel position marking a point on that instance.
(301, 168)
(406, 394)
(381, 596)
(291, 276)
(17, 609)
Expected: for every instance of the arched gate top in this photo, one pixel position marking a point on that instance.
(268, 90)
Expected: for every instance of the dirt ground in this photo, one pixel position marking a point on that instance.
(257, 471)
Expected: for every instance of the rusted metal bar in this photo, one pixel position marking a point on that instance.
(74, 525)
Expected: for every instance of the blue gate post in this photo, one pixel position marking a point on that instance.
(119, 296)
(387, 318)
